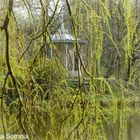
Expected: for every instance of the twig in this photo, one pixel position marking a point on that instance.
(74, 129)
(10, 73)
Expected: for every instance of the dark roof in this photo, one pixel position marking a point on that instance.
(66, 38)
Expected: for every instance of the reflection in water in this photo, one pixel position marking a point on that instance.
(132, 132)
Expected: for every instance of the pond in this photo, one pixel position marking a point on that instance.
(132, 128)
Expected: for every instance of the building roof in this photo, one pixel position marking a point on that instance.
(66, 38)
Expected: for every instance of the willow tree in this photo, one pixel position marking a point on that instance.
(35, 97)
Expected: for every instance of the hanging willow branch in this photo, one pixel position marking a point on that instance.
(4, 28)
(41, 34)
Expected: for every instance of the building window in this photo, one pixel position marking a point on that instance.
(70, 60)
(76, 61)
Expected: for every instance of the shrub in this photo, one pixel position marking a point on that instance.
(49, 73)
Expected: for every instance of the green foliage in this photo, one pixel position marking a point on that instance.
(42, 104)
(49, 73)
